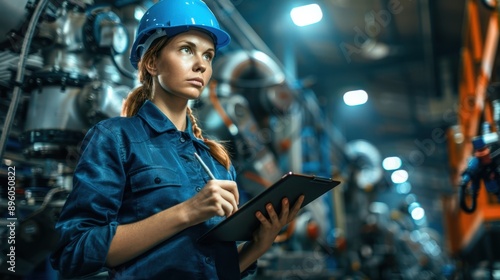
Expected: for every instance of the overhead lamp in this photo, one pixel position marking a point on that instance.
(403, 188)
(399, 176)
(306, 15)
(391, 163)
(355, 97)
(138, 13)
(418, 213)
(374, 50)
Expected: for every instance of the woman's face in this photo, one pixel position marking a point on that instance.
(184, 65)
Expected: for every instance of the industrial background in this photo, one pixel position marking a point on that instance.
(278, 95)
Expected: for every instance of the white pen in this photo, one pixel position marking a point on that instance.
(205, 166)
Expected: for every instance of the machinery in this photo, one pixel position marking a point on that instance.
(64, 68)
(472, 214)
(481, 169)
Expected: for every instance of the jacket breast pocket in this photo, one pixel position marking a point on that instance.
(155, 189)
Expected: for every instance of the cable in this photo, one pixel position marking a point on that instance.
(16, 95)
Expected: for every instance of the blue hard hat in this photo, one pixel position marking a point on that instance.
(171, 17)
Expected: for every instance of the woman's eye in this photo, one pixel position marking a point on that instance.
(208, 56)
(186, 50)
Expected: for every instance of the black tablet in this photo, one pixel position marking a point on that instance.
(241, 225)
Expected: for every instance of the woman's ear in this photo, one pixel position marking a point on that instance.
(151, 67)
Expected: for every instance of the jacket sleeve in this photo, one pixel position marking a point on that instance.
(88, 220)
(252, 269)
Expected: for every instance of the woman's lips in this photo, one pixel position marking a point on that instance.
(196, 82)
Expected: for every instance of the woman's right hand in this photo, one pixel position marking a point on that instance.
(216, 198)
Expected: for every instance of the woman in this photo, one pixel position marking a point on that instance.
(140, 199)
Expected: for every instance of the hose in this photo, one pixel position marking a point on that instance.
(16, 95)
(462, 198)
(473, 176)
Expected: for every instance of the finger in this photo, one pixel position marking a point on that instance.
(223, 190)
(229, 197)
(297, 205)
(226, 206)
(272, 213)
(262, 219)
(284, 210)
(231, 187)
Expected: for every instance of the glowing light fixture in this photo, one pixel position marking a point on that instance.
(306, 15)
(374, 50)
(138, 13)
(391, 163)
(403, 188)
(399, 176)
(355, 97)
(418, 213)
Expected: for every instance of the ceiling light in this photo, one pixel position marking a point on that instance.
(418, 213)
(391, 163)
(306, 15)
(374, 50)
(138, 13)
(379, 207)
(355, 97)
(399, 176)
(403, 188)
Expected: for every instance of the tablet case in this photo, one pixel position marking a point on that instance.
(241, 225)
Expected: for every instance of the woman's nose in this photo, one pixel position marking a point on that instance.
(200, 64)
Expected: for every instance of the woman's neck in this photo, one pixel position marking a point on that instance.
(175, 110)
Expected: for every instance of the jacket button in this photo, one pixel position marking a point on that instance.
(182, 140)
(198, 189)
(157, 180)
(208, 260)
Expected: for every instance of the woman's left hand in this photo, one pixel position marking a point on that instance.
(270, 227)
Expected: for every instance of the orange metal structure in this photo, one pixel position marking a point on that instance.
(478, 59)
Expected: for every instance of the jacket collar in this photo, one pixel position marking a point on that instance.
(160, 123)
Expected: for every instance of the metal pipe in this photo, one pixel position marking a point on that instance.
(17, 92)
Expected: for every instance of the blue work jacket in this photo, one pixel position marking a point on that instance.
(130, 169)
